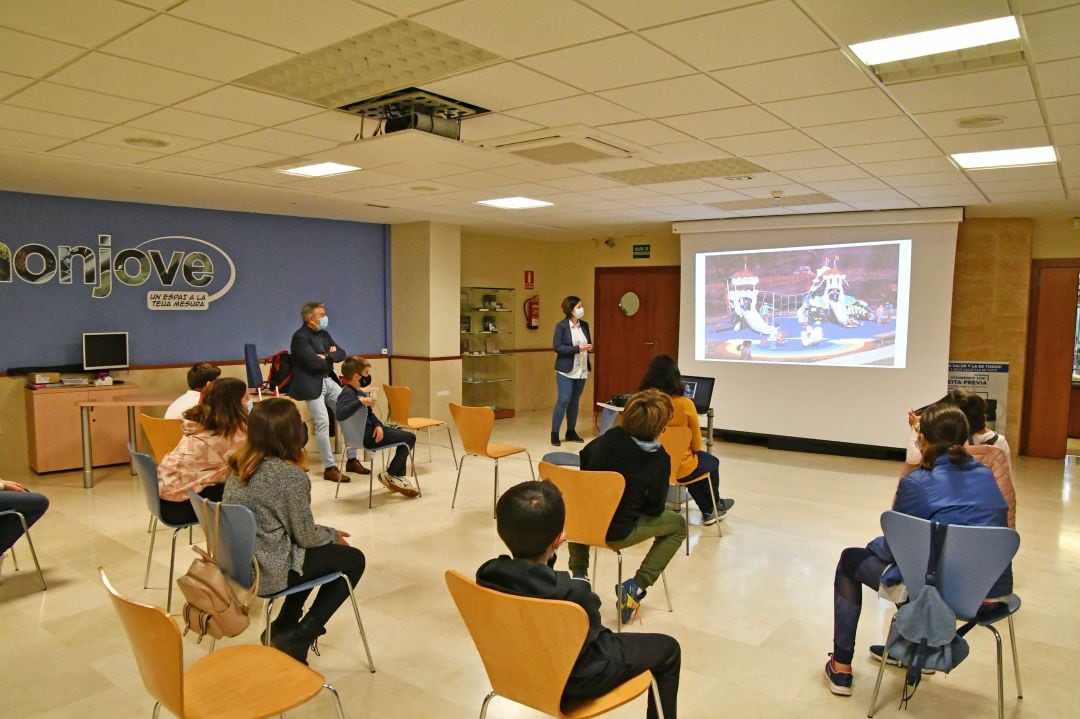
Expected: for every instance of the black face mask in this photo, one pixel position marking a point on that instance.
(365, 381)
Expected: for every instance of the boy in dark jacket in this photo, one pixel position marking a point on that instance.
(633, 450)
(357, 374)
(530, 521)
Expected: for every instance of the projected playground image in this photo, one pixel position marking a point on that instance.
(830, 305)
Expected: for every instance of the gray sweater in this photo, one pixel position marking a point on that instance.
(279, 494)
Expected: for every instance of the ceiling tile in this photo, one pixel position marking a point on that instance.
(1032, 6)
(623, 193)
(88, 24)
(804, 76)
(33, 56)
(476, 180)
(1062, 110)
(898, 204)
(116, 135)
(11, 83)
(612, 62)
(867, 195)
(193, 124)
(257, 176)
(1066, 134)
(908, 167)
(520, 28)
(726, 123)
(170, 42)
(637, 14)
(685, 151)
(1006, 140)
(744, 184)
(721, 40)
(126, 78)
(1059, 78)
(680, 188)
(1035, 172)
(301, 27)
(583, 183)
(187, 165)
(1015, 114)
(763, 192)
(645, 132)
(1052, 35)
(953, 177)
(850, 106)
(584, 109)
(503, 86)
(875, 19)
(889, 129)
(829, 174)
(27, 141)
(329, 125)
(1039, 196)
(65, 100)
(714, 195)
(998, 187)
(485, 127)
(957, 190)
(530, 171)
(289, 143)
(865, 184)
(237, 103)
(103, 153)
(153, 4)
(990, 87)
(420, 170)
(885, 151)
(233, 154)
(798, 160)
(762, 143)
(681, 95)
(47, 123)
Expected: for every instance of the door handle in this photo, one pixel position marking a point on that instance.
(651, 344)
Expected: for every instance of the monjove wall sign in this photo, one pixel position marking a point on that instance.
(187, 285)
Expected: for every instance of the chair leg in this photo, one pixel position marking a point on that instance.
(655, 689)
(341, 466)
(266, 629)
(370, 488)
(360, 625)
(337, 700)
(595, 563)
(33, 552)
(14, 559)
(412, 460)
(150, 552)
(684, 502)
(1016, 659)
(429, 445)
(150, 524)
(495, 504)
(456, 483)
(618, 588)
(157, 710)
(716, 508)
(531, 470)
(450, 436)
(484, 706)
(1000, 673)
(172, 566)
(881, 673)
(667, 594)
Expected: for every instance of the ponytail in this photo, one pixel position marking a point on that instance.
(945, 429)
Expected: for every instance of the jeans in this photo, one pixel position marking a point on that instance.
(320, 409)
(858, 567)
(32, 506)
(318, 562)
(393, 435)
(667, 530)
(658, 653)
(702, 498)
(567, 403)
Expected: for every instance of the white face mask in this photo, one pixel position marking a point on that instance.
(579, 312)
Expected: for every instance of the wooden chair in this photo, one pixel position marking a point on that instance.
(248, 680)
(591, 499)
(529, 646)
(163, 434)
(676, 442)
(399, 399)
(474, 424)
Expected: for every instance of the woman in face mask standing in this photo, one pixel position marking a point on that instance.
(572, 344)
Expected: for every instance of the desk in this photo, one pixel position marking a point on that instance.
(130, 401)
(609, 412)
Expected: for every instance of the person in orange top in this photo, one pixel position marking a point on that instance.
(663, 374)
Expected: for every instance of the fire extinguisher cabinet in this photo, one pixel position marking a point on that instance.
(487, 348)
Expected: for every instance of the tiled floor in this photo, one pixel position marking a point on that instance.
(752, 610)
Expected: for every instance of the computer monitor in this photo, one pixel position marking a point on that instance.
(105, 350)
(699, 390)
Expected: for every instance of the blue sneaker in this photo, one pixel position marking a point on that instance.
(628, 596)
(839, 682)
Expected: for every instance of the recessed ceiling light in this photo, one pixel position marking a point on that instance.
(145, 142)
(322, 169)
(932, 42)
(1019, 157)
(515, 203)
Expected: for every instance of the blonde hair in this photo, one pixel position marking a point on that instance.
(646, 414)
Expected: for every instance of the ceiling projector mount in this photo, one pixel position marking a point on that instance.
(415, 109)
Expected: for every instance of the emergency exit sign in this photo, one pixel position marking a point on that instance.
(642, 252)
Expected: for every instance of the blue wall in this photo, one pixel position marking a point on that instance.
(279, 263)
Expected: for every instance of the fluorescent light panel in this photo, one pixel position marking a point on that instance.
(1018, 157)
(515, 203)
(322, 169)
(937, 41)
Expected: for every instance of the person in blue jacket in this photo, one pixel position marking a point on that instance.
(950, 487)
(572, 344)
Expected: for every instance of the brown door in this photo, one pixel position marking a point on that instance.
(1051, 337)
(626, 343)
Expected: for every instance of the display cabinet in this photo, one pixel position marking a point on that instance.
(487, 348)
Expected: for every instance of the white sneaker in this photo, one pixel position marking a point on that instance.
(384, 480)
(402, 486)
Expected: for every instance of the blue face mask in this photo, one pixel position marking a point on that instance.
(324, 323)
(250, 405)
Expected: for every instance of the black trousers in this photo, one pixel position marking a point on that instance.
(318, 562)
(175, 513)
(393, 435)
(658, 653)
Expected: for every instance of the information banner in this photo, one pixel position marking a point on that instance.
(989, 380)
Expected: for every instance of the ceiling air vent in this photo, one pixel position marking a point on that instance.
(681, 171)
(567, 145)
(763, 203)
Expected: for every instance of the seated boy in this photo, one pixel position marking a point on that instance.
(357, 374)
(199, 378)
(530, 522)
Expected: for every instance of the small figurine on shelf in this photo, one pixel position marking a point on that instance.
(466, 323)
(489, 324)
(489, 302)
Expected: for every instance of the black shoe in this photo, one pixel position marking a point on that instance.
(555, 440)
(292, 642)
(277, 627)
(574, 437)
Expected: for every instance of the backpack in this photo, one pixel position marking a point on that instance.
(924, 634)
(280, 374)
(212, 606)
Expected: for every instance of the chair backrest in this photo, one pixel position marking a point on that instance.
(251, 364)
(162, 434)
(676, 442)
(146, 468)
(972, 560)
(998, 462)
(353, 427)
(591, 499)
(159, 650)
(399, 399)
(474, 424)
(528, 645)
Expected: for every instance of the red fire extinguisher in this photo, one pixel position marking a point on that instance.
(531, 308)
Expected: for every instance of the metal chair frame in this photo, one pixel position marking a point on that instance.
(30, 541)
